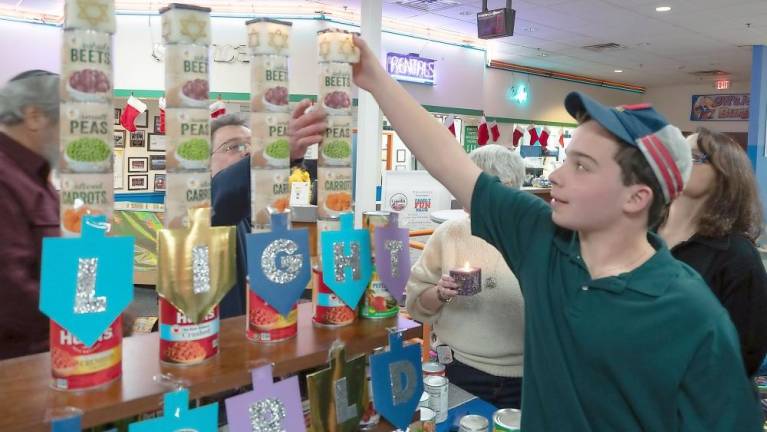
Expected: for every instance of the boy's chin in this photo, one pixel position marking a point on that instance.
(563, 222)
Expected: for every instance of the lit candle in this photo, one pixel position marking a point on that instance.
(468, 279)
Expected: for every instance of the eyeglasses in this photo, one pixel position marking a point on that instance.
(233, 147)
(699, 158)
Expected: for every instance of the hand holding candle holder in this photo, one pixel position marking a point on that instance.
(468, 279)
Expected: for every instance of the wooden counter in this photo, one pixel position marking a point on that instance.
(26, 394)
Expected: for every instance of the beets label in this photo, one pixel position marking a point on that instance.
(86, 70)
(335, 88)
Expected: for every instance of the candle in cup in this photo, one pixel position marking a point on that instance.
(468, 279)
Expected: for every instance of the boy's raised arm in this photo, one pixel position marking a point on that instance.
(431, 143)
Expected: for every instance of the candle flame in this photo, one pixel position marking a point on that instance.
(466, 266)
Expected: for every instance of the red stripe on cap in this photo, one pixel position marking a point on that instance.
(635, 107)
(670, 162)
(661, 165)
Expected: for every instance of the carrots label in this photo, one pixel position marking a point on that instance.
(334, 195)
(84, 194)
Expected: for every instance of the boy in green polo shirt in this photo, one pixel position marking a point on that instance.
(620, 336)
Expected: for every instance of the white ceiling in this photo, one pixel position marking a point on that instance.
(660, 48)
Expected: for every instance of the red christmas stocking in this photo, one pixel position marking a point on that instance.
(518, 134)
(483, 133)
(533, 131)
(132, 109)
(544, 138)
(495, 131)
(162, 115)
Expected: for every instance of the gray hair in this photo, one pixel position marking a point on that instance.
(37, 88)
(502, 162)
(232, 119)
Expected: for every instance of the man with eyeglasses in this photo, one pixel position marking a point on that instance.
(230, 166)
(230, 139)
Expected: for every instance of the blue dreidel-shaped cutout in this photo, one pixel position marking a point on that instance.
(279, 265)
(177, 416)
(346, 261)
(86, 282)
(397, 381)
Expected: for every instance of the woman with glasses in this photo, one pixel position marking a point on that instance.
(713, 228)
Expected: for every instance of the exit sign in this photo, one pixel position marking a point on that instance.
(722, 84)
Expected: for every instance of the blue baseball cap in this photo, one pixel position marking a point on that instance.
(639, 125)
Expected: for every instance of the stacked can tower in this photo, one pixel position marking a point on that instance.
(377, 302)
(186, 35)
(336, 54)
(87, 177)
(269, 45)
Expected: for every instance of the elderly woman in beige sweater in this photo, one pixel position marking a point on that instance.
(484, 331)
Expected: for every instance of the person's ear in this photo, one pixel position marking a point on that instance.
(34, 118)
(639, 198)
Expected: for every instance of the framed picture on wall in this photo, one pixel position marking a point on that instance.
(159, 182)
(401, 156)
(118, 168)
(137, 138)
(138, 182)
(138, 164)
(119, 136)
(156, 142)
(157, 162)
(142, 120)
(118, 113)
(156, 124)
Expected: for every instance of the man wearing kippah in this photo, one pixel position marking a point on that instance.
(619, 336)
(29, 205)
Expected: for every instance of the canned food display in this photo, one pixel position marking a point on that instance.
(185, 191)
(437, 387)
(424, 401)
(507, 420)
(265, 324)
(269, 189)
(185, 24)
(427, 422)
(187, 133)
(98, 15)
(269, 141)
(336, 146)
(84, 195)
(85, 137)
(329, 310)
(377, 302)
(473, 423)
(433, 368)
(269, 36)
(336, 45)
(77, 367)
(186, 76)
(183, 342)
(86, 66)
(269, 83)
(335, 94)
(334, 191)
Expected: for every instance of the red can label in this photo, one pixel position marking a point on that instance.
(77, 367)
(265, 324)
(329, 309)
(183, 342)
